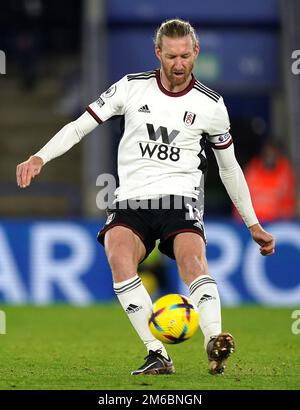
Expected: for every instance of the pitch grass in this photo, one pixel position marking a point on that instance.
(64, 347)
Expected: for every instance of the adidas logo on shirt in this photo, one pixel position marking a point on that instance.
(133, 308)
(145, 109)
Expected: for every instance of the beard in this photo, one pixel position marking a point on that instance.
(177, 77)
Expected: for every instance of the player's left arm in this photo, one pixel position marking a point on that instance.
(233, 178)
(235, 183)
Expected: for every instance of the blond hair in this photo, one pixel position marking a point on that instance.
(175, 28)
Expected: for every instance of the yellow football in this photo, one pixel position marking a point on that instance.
(174, 319)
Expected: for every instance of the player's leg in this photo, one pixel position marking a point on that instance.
(190, 254)
(189, 250)
(124, 251)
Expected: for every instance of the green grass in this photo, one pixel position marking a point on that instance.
(65, 347)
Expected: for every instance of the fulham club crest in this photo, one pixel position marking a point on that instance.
(189, 118)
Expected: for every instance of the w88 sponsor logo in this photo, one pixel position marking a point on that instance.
(161, 151)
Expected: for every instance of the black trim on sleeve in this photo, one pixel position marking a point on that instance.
(141, 76)
(219, 147)
(207, 93)
(94, 115)
(207, 89)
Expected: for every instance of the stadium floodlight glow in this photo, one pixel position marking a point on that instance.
(2, 62)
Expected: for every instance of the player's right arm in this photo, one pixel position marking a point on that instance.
(110, 103)
(64, 140)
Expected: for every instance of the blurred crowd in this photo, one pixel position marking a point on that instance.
(272, 183)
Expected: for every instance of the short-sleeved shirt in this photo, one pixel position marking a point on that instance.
(161, 150)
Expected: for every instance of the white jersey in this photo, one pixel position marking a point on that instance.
(161, 150)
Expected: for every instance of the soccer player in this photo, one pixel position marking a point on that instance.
(168, 116)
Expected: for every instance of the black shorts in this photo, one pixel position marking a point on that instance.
(156, 219)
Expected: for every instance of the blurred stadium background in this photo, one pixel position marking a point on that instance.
(60, 56)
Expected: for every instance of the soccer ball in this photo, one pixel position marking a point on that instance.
(174, 319)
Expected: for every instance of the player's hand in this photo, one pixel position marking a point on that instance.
(27, 170)
(264, 239)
